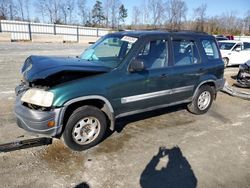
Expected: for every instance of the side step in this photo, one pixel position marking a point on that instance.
(22, 144)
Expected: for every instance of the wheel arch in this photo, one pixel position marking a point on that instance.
(210, 82)
(228, 61)
(98, 101)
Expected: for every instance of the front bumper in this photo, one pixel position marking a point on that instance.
(37, 121)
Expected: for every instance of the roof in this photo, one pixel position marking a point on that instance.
(142, 33)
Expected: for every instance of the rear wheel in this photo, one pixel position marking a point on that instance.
(202, 100)
(85, 128)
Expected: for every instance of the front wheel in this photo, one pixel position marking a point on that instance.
(85, 128)
(202, 100)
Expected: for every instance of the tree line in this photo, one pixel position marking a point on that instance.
(107, 13)
(172, 15)
(151, 14)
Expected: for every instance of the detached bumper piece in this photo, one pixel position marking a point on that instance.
(243, 77)
(17, 145)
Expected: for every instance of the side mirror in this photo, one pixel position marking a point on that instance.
(238, 49)
(136, 65)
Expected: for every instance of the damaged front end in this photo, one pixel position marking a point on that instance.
(34, 99)
(243, 77)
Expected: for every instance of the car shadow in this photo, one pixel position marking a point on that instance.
(121, 123)
(82, 185)
(175, 173)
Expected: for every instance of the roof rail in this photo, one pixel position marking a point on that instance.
(191, 31)
(176, 30)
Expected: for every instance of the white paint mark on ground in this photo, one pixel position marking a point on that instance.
(7, 92)
(244, 116)
(237, 124)
(200, 133)
(242, 151)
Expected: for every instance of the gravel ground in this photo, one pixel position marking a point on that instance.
(164, 148)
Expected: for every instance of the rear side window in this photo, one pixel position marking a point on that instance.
(210, 48)
(185, 52)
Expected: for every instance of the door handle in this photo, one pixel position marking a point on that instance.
(163, 76)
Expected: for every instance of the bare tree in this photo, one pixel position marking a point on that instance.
(176, 13)
(136, 14)
(7, 9)
(199, 15)
(64, 12)
(40, 8)
(71, 7)
(27, 8)
(20, 6)
(55, 10)
(145, 13)
(247, 23)
(50, 9)
(107, 12)
(115, 4)
(23, 8)
(156, 8)
(230, 23)
(67, 8)
(111, 13)
(82, 11)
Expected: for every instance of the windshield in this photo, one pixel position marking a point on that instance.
(226, 45)
(109, 51)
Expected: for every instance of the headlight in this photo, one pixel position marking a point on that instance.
(38, 97)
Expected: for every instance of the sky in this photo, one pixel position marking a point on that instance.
(214, 7)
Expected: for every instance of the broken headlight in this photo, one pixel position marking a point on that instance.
(38, 97)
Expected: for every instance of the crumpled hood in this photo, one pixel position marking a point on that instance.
(40, 67)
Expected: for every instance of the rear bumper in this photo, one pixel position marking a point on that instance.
(219, 84)
(37, 121)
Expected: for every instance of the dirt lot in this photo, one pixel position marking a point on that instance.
(165, 148)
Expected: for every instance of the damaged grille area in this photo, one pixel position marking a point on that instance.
(35, 107)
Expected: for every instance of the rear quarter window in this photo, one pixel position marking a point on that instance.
(210, 49)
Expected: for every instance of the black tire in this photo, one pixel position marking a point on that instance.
(225, 60)
(83, 122)
(195, 106)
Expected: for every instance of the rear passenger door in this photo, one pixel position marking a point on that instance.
(186, 68)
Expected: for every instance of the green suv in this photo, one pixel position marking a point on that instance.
(123, 73)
